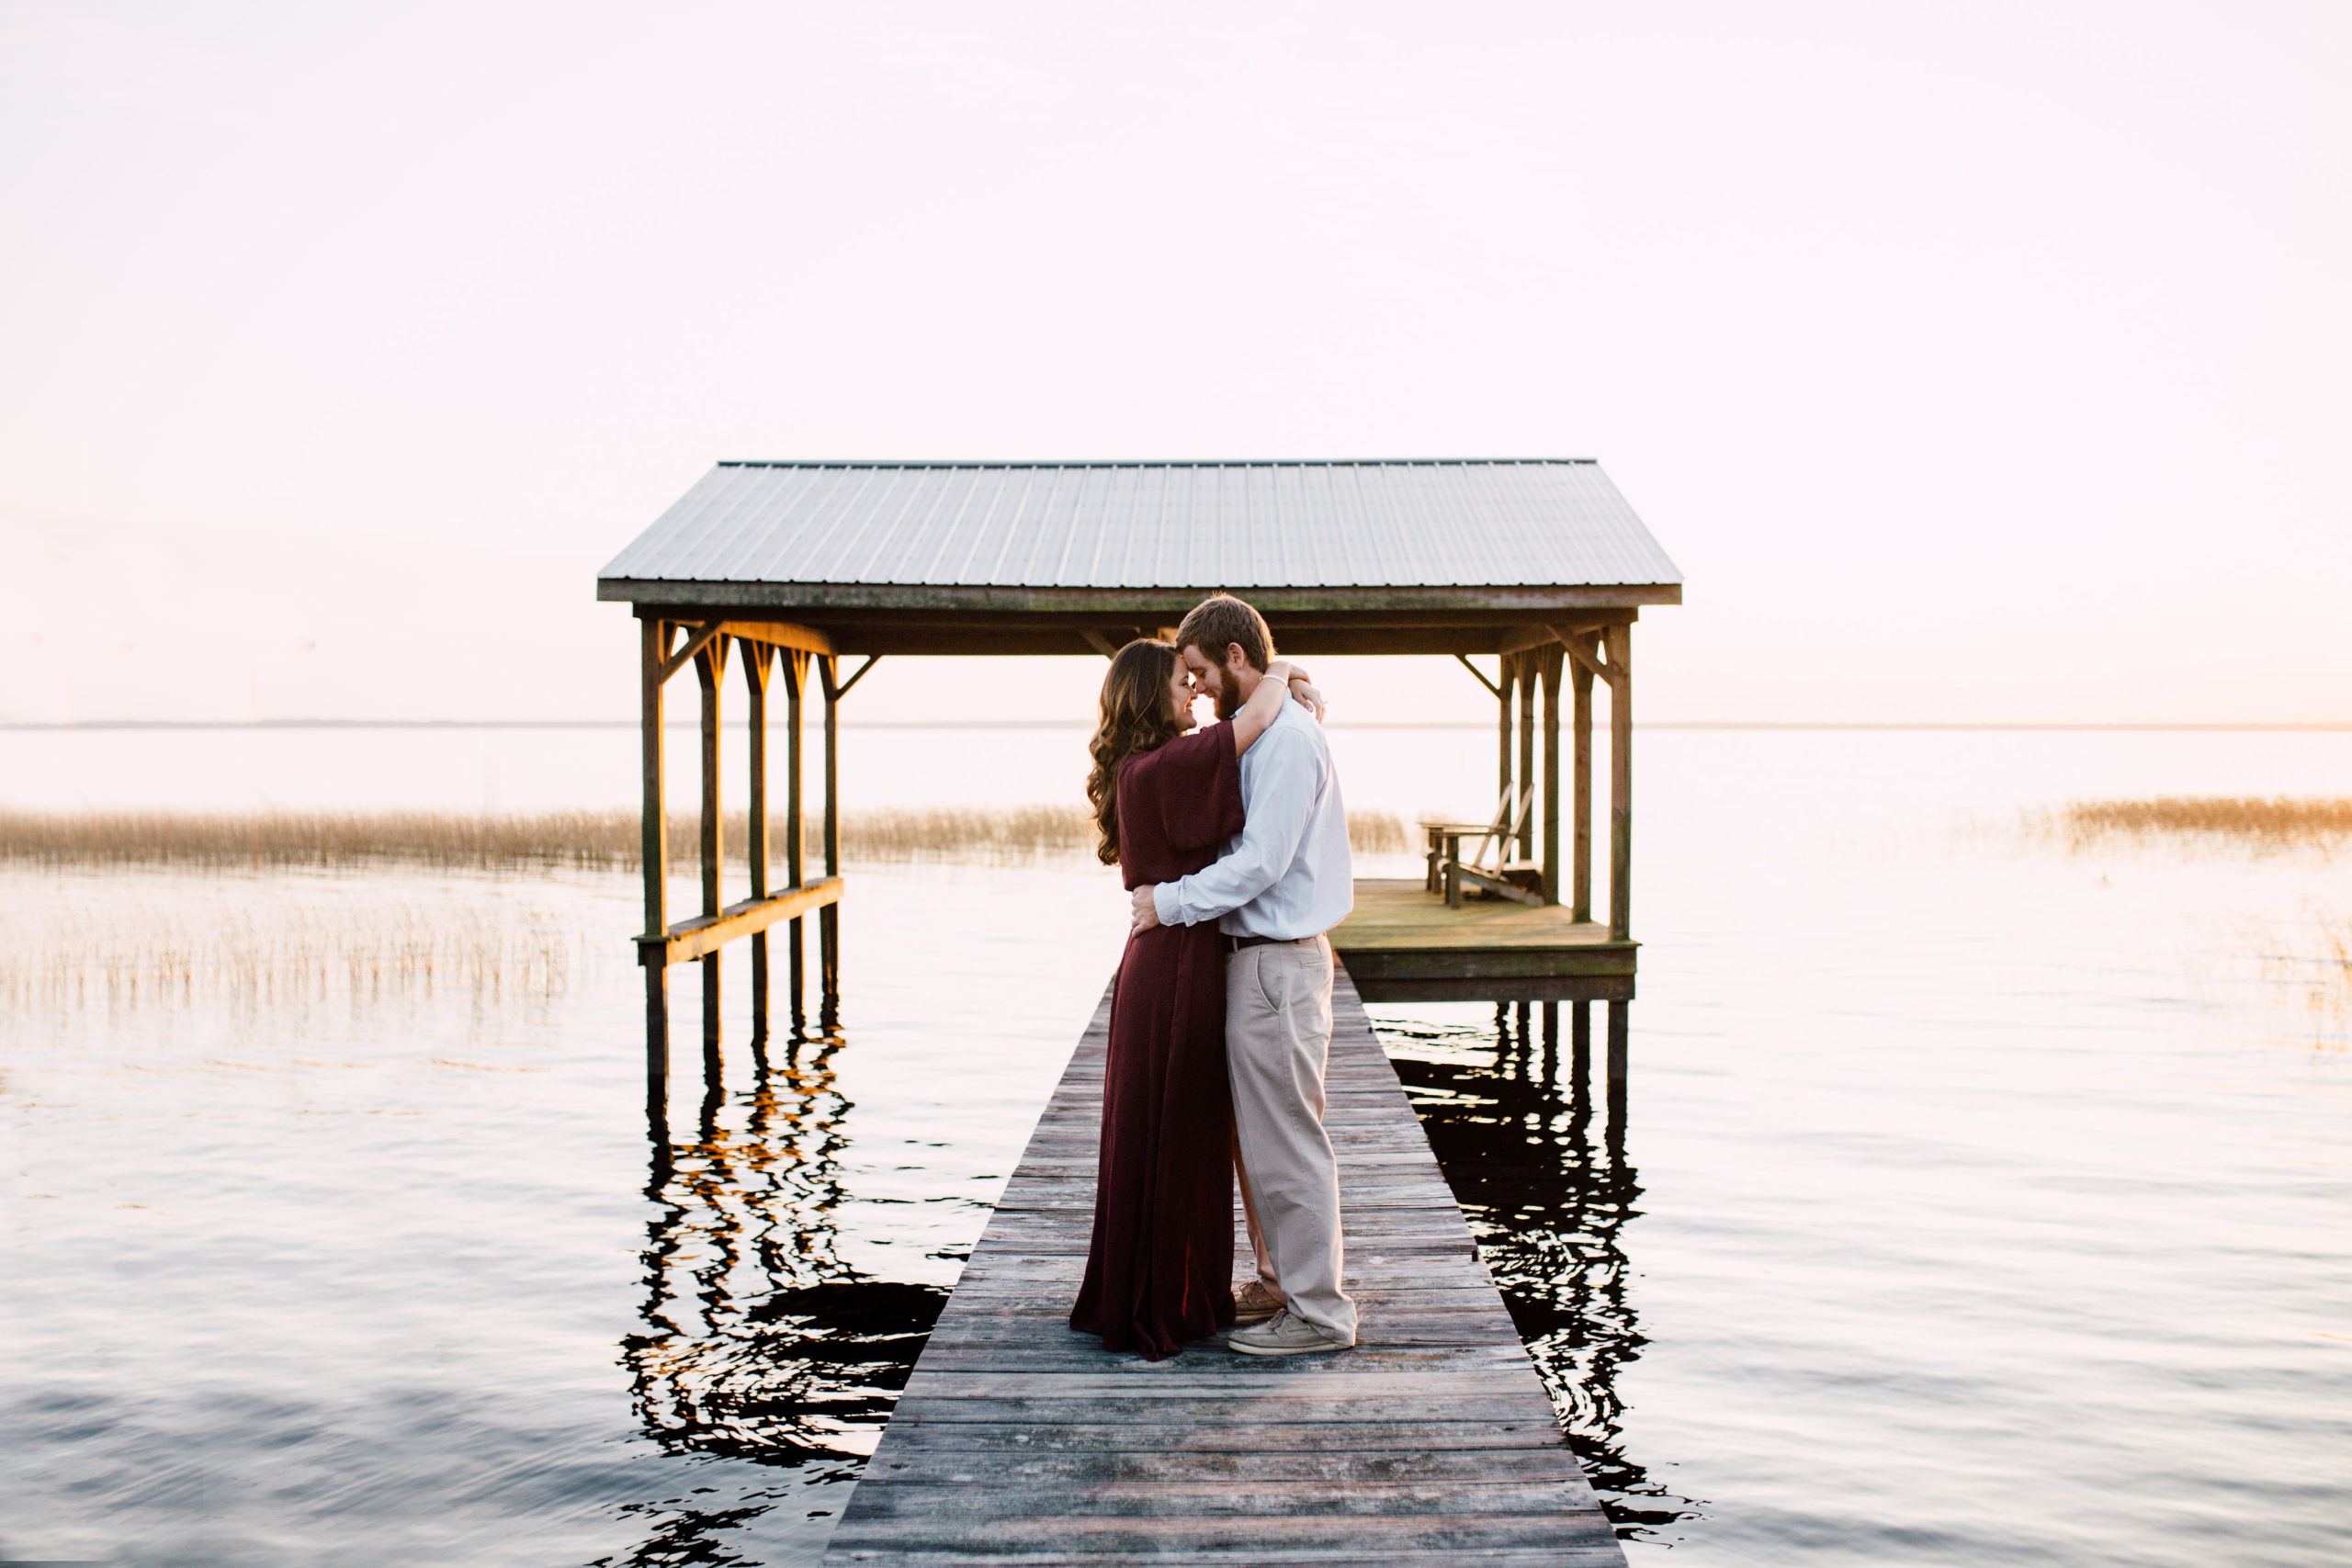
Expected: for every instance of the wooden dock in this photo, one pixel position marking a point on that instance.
(1403, 945)
(1018, 1442)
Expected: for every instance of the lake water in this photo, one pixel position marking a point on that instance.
(1979, 1201)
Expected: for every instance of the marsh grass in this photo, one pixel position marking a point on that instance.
(294, 917)
(95, 946)
(449, 840)
(2229, 824)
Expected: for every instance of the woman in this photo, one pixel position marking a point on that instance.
(1160, 1271)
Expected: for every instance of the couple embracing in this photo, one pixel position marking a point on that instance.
(1234, 843)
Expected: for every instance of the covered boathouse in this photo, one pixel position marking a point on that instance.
(1433, 1438)
(1539, 562)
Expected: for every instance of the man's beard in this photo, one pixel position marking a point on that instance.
(1229, 694)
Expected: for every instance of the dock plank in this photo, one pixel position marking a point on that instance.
(1017, 1440)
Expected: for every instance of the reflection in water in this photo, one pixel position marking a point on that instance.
(1547, 1194)
(759, 1342)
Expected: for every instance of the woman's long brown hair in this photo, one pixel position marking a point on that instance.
(1136, 716)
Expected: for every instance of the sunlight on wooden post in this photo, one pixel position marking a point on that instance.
(758, 660)
(654, 643)
(1552, 658)
(1620, 641)
(1507, 672)
(1529, 661)
(828, 930)
(711, 670)
(1580, 857)
(796, 680)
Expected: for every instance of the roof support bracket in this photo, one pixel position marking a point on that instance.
(1581, 647)
(1480, 674)
(843, 690)
(695, 644)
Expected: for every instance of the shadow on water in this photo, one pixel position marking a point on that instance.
(758, 1343)
(1541, 1174)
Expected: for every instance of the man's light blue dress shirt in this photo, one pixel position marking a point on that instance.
(1288, 874)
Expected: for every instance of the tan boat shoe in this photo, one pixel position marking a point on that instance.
(1283, 1334)
(1255, 1302)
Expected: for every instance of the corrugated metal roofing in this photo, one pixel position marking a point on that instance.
(1337, 524)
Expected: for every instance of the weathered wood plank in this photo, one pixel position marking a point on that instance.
(1017, 1440)
(698, 937)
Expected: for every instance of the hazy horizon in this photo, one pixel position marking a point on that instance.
(1975, 365)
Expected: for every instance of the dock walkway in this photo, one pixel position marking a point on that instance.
(1431, 1442)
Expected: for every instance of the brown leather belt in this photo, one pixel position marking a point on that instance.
(1236, 943)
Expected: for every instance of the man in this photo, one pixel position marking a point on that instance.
(1280, 885)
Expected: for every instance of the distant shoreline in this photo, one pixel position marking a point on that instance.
(2330, 728)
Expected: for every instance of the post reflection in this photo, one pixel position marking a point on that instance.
(1541, 1175)
(757, 1341)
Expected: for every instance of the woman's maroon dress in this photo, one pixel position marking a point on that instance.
(1161, 1269)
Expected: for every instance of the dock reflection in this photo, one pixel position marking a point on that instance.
(757, 1341)
(1540, 1173)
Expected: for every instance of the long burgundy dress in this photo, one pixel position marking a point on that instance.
(1161, 1269)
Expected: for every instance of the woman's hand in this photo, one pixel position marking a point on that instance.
(1308, 694)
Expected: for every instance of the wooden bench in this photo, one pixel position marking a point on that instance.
(1448, 868)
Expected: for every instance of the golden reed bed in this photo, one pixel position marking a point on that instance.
(593, 840)
(2276, 823)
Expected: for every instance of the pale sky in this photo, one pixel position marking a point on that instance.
(1976, 362)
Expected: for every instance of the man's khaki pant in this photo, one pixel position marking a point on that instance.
(1277, 1037)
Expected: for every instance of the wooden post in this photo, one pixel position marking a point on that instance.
(828, 927)
(758, 660)
(1580, 878)
(1553, 657)
(1508, 672)
(710, 669)
(796, 680)
(1618, 1022)
(1527, 666)
(653, 638)
(1621, 788)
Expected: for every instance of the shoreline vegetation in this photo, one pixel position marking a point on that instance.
(596, 840)
(2268, 825)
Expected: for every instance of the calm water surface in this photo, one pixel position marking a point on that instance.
(1978, 1203)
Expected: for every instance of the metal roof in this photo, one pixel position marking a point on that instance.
(1380, 524)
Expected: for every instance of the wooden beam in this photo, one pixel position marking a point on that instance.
(779, 633)
(871, 660)
(1579, 644)
(653, 638)
(695, 644)
(1378, 988)
(1505, 789)
(1098, 642)
(1620, 784)
(693, 939)
(711, 670)
(1580, 810)
(829, 933)
(1620, 1028)
(795, 667)
(758, 658)
(1527, 679)
(1551, 677)
(1494, 690)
